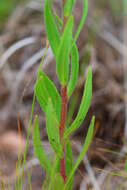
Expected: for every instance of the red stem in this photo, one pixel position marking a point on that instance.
(62, 128)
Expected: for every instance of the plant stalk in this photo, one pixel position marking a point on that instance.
(62, 128)
(63, 114)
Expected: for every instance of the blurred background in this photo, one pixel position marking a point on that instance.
(103, 44)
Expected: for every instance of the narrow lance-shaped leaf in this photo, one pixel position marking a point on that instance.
(52, 127)
(83, 152)
(68, 7)
(38, 148)
(84, 15)
(62, 58)
(74, 70)
(84, 106)
(51, 28)
(44, 89)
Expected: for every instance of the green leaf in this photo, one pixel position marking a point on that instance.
(68, 7)
(38, 148)
(84, 106)
(71, 108)
(58, 182)
(52, 127)
(74, 70)
(51, 28)
(6, 7)
(58, 21)
(69, 163)
(83, 152)
(84, 11)
(55, 169)
(44, 89)
(69, 158)
(126, 165)
(62, 58)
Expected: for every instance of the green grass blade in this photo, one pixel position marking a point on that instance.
(51, 28)
(68, 7)
(62, 58)
(83, 152)
(74, 70)
(29, 127)
(85, 11)
(27, 141)
(38, 148)
(52, 127)
(44, 89)
(29, 179)
(84, 106)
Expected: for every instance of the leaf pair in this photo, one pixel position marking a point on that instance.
(61, 46)
(50, 102)
(55, 178)
(51, 27)
(70, 170)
